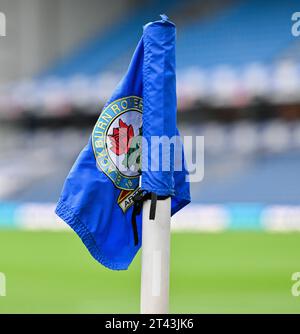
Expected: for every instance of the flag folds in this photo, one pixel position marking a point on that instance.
(131, 153)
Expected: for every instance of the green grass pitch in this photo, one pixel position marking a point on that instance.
(230, 272)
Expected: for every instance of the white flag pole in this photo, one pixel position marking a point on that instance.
(156, 258)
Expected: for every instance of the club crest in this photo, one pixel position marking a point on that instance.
(117, 145)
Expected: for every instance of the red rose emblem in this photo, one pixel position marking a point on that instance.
(121, 138)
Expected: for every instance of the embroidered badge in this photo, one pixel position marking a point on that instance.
(117, 144)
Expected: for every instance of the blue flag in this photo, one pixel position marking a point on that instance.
(102, 195)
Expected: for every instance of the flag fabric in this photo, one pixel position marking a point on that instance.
(102, 195)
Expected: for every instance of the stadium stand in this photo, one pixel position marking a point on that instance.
(101, 50)
(226, 50)
(232, 33)
(246, 32)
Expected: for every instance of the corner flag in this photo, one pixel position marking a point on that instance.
(102, 195)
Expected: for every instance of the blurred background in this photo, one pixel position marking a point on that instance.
(238, 85)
